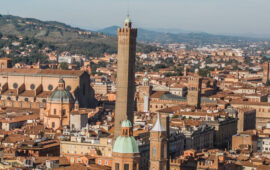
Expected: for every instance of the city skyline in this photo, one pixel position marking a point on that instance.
(211, 16)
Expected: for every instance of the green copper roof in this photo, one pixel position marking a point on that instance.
(63, 95)
(127, 20)
(168, 96)
(126, 123)
(125, 144)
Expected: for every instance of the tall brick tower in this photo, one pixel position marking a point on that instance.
(158, 147)
(194, 91)
(266, 71)
(125, 75)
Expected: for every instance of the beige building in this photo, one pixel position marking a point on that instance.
(246, 120)
(30, 88)
(77, 147)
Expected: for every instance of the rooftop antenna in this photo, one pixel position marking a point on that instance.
(128, 8)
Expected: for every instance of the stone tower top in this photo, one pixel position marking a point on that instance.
(128, 22)
(61, 84)
(158, 126)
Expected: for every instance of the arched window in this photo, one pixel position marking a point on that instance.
(154, 151)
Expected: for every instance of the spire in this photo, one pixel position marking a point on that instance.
(158, 126)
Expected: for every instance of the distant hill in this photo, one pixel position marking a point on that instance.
(63, 36)
(148, 36)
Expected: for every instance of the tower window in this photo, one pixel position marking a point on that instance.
(154, 151)
(162, 152)
(54, 111)
(126, 166)
(116, 166)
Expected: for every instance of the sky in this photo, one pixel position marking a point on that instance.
(211, 16)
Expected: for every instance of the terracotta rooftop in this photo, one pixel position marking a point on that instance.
(40, 71)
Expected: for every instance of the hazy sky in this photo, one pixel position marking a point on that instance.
(212, 16)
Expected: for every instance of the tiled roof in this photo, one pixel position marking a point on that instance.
(41, 72)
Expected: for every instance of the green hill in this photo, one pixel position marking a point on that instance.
(62, 36)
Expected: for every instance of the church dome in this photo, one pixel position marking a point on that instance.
(125, 144)
(126, 123)
(63, 95)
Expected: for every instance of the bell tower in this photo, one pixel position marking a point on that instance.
(158, 147)
(194, 91)
(125, 82)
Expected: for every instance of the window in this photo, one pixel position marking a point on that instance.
(68, 88)
(162, 152)
(78, 160)
(50, 87)
(126, 166)
(64, 112)
(99, 162)
(54, 111)
(53, 125)
(26, 99)
(106, 162)
(72, 160)
(44, 100)
(15, 85)
(154, 151)
(116, 166)
(32, 86)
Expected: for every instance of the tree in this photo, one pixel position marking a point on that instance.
(64, 66)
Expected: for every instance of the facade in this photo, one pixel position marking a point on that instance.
(244, 141)
(198, 137)
(78, 120)
(246, 120)
(225, 128)
(5, 63)
(76, 148)
(125, 82)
